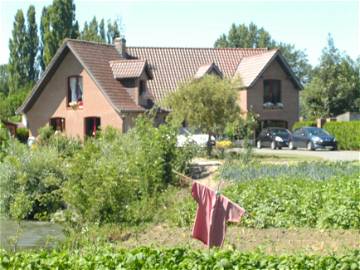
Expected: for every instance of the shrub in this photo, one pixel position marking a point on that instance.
(107, 257)
(347, 134)
(22, 134)
(33, 175)
(301, 124)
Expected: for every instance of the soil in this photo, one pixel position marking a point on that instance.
(270, 241)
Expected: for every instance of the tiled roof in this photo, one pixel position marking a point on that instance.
(172, 66)
(206, 69)
(123, 69)
(96, 57)
(251, 67)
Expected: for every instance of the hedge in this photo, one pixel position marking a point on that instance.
(177, 258)
(301, 124)
(346, 133)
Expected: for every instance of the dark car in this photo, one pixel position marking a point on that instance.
(312, 138)
(274, 138)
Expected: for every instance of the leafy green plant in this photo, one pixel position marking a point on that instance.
(22, 134)
(300, 124)
(107, 257)
(347, 134)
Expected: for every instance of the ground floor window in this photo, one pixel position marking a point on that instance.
(92, 125)
(58, 123)
(274, 123)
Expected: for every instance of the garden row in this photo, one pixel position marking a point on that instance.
(177, 258)
(316, 195)
(347, 134)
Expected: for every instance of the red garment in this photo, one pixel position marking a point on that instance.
(212, 213)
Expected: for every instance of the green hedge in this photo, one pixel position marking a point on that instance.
(177, 258)
(346, 133)
(301, 124)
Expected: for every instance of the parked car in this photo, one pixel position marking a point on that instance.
(273, 137)
(198, 138)
(312, 138)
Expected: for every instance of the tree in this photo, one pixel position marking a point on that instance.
(243, 36)
(206, 104)
(102, 31)
(4, 79)
(18, 54)
(57, 23)
(113, 31)
(32, 44)
(335, 87)
(90, 31)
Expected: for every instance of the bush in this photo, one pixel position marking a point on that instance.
(22, 134)
(301, 124)
(347, 134)
(107, 257)
(38, 174)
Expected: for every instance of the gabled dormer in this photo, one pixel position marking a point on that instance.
(208, 69)
(133, 75)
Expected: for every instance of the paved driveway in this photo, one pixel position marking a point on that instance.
(329, 155)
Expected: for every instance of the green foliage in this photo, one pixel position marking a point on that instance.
(107, 257)
(57, 23)
(10, 103)
(4, 80)
(45, 134)
(335, 87)
(113, 30)
(250, 36)
(312, 195)
(22, 134)
(34, 175)
(18, 54)
(347, 134)
(206, 104)
(306, 123)
(32, 44)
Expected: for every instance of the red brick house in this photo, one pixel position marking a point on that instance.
(89, 85)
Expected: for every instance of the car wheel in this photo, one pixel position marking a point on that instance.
(273, 145)
(310, 146)
(258, 144)
(291, 146)
(279, 147)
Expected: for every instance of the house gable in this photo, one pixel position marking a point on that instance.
(52, 101)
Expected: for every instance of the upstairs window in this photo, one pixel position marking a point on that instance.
(92, 126)
(272, 91)
(75, 91)
(142, 88)
(58, 124)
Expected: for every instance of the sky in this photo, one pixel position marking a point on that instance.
(305, 24)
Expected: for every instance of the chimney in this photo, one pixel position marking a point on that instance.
(120, 46)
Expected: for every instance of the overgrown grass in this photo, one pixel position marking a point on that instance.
(106, 257)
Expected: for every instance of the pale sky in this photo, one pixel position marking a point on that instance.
(199, 23)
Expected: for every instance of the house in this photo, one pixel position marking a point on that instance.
(89, 85)
(11, 126)
(348, 116)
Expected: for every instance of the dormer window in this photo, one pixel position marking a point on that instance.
(75, 91)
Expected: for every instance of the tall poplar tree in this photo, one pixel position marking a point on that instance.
(57, 23)
(18, 54)
(32, 44)
(113, 31)
(102, 30)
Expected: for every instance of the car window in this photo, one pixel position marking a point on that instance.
(298, 132)
(316, 132)
(280, 132)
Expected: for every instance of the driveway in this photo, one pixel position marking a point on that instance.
(329, 155)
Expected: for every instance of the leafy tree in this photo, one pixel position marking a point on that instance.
(113, 31)
(91, 31)
(335, 87)
(102, 30)
(18, 54)
(250, 36)
(206, 104)
(57, 23)
(4, 79)
(32, 44)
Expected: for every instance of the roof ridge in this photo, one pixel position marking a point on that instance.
(196, 48)
(87, 41)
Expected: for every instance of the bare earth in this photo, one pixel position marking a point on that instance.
(270, 241)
